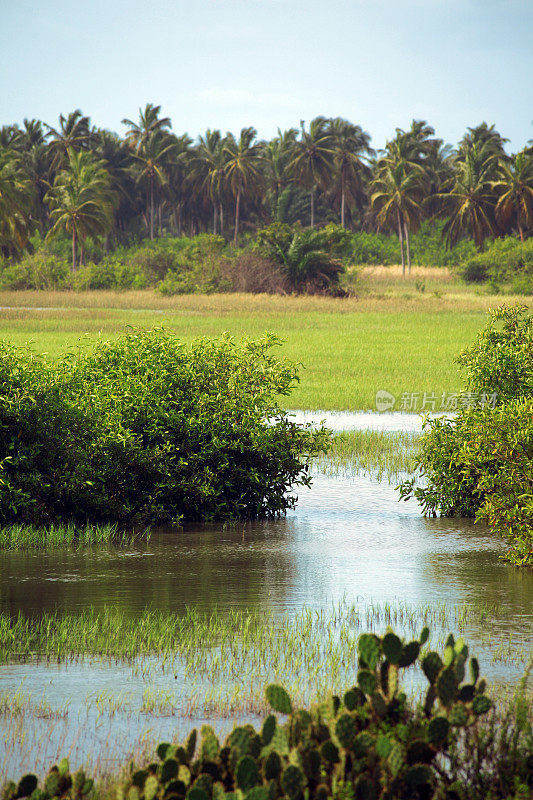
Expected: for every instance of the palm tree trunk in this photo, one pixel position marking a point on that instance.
(74, 248)
(313, 207)
(214, 219)
(151, 208)
(406, 231)
(237, 211)
(221, 217)
(400, 237)
(343, 201)
(520, 231)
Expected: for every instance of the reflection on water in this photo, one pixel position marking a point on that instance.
(349, 538)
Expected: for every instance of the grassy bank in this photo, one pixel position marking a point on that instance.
(392, 336)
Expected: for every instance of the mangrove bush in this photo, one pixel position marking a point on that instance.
(147, 428)
(480, 463)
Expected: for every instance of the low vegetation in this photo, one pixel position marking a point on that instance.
(148, 429)
(372, 743)
(481, 462)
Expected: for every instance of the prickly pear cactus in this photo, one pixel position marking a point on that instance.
(370, 745)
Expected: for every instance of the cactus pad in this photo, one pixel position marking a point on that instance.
(292, 781)
(481, 704)
(169, 770)
(26, 785)
(345, 730)
(247, 773)
(432, 665)
(272, 767)
(278, 699)
(268, 729)
(366, 681)
(419, 775)
(396, 758)
(447, 686)
(392, 647)
(409, 654)
(368, 649)
(438, 730)
(330, 752)
(420, 752)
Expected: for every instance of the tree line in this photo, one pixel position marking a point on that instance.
(83, 181)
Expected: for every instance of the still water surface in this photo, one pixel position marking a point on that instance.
(349, 540)
(349, 537)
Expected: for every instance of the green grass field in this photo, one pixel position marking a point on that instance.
(391, 337)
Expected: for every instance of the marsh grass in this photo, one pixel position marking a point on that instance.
(237, 642)
(26, 537)
(377, 453)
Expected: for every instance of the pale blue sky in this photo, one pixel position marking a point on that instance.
(268, 63)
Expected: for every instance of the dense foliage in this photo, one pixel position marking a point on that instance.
(505, 261)
(146, 428)
(372, 744)
(90, 184)
(480, 463)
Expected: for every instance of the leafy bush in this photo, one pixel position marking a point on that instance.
(501, 358)
(505, 259)
(428, 248)
(371, 744)
(480, 463)
(146, 428)
(41, 270)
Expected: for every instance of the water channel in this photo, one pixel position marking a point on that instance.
(349, 543)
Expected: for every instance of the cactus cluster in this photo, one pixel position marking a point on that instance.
(58, 783)
(370, 744)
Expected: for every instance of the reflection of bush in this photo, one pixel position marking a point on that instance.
(481, 462)
(147, 428)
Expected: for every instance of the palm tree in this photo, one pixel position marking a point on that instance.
(514, 188)
(351, 147)
(81, 200)
(16, 201)
(312, 161)
(208, 172)
(306, 256)
(483, 135)
(153, 158)
(469, 200)
(276, 154)
(73, 133)
(243, 169)
(397, 194)
(149, 123)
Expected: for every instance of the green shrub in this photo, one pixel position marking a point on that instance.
(480, 463)
(501, 359)
(504, 260)
(41, 270)
(146, 428)
(371, 743)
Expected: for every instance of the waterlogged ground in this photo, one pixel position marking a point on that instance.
(349, 558)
